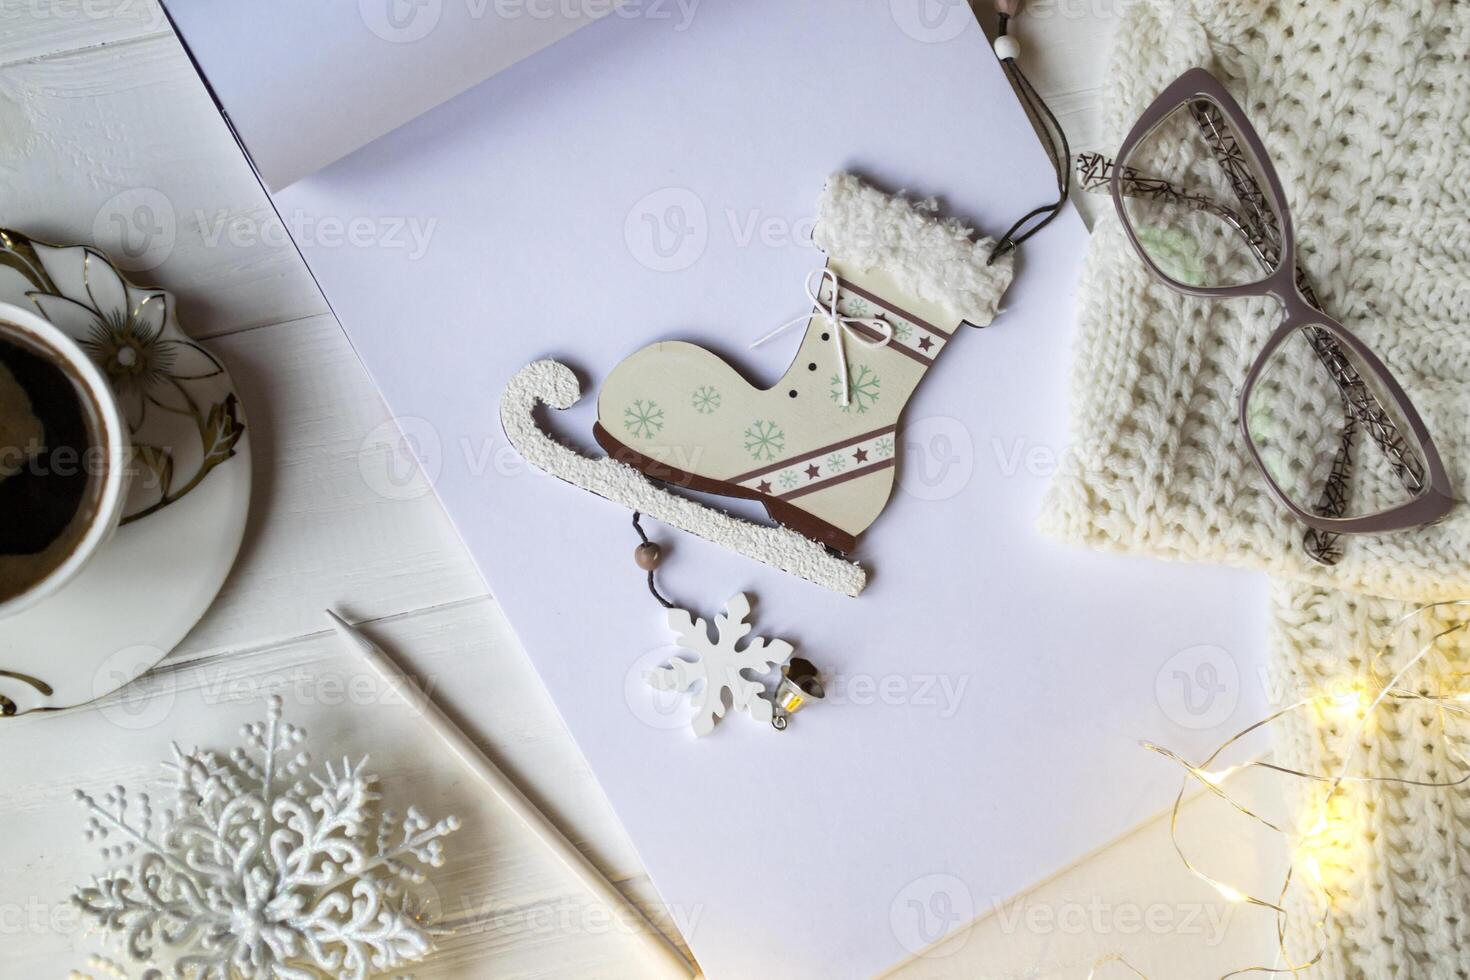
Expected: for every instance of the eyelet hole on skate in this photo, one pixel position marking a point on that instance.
(792, 393)
(812, 366)
(826, 336)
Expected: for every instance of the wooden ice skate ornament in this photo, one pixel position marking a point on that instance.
(819, 449)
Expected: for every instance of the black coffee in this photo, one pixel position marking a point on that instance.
(48, 483)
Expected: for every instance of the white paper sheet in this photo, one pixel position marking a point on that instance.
(989, 688)
(309, 82)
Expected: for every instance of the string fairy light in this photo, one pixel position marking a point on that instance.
(1117, 958)
(1362, 700)
(1312, 845)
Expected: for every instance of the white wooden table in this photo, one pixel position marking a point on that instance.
(100, 109)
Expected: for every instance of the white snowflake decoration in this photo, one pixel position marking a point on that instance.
(258, 874)
(718, 674)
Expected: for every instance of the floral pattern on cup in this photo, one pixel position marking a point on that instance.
(177, 398)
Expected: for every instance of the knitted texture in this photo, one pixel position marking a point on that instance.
(1395, 855)
(1362, 106)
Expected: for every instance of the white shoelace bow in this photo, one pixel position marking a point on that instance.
(841, 325)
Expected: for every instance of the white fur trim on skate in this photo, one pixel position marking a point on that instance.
(554, 384)
(938, 260)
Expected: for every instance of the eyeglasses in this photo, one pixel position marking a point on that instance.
(1314, 384)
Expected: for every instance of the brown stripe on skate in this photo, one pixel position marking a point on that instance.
(664, 473)
(805, 456)
(870, 297)
(798, 520)
(833, 481)
(787, 515)
(893, 345)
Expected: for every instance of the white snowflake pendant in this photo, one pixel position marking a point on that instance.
(722, 665)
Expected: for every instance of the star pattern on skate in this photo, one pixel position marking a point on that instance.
(807, 472)
(856, 302)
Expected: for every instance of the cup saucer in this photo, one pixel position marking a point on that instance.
(186, 513)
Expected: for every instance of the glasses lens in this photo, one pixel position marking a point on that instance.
(1330, 435)
(1197, 204)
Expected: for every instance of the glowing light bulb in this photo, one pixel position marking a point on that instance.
(1228, 893)
(1216, 778)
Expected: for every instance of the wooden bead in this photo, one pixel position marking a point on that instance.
(648, 556)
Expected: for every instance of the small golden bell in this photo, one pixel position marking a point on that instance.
(800, 685)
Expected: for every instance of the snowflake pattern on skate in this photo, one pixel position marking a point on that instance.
(643, 419)
(884, 447)
(764, 440)
(717, 679)
(255, 874)
(706, 399)
(836, 463)
(862, 389)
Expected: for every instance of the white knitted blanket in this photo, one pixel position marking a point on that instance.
(1365, 109)
(1364, 106)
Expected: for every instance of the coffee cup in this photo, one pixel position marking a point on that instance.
(65, 455)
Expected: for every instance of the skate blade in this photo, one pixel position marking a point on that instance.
(552, 383)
